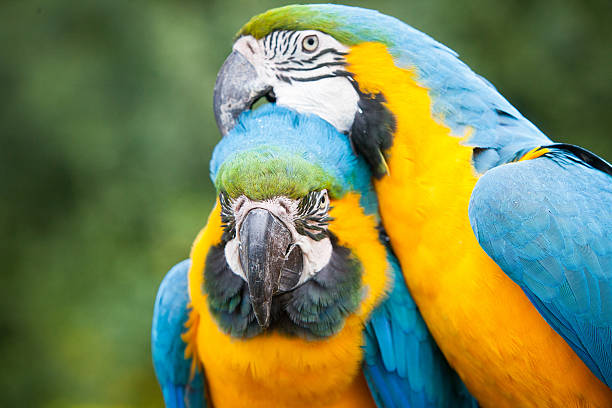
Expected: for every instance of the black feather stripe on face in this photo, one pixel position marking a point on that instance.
(314, 310)
(372, 131)
(312, 219)
(228, 296)
(228, 220)
(286, 44)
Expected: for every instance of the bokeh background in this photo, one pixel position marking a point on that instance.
(106, 131)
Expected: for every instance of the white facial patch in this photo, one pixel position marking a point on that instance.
(332, 99)
(232, 256)
(303, 78)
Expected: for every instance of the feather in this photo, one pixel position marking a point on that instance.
(554, 212)
(182, 387)
(403, 365)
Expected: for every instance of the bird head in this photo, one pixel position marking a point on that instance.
(296, 56)
(295, 247)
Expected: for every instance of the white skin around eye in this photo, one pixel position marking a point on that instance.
(334, 99)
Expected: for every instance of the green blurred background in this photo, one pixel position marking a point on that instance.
(106, 131)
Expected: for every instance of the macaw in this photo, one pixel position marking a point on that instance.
(504, 237)
(291, 296)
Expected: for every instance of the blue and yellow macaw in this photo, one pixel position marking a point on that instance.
(504, 237)
(291, 297)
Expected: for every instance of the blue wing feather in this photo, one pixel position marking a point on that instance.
(402, 365)
(547, 223)
(168, 349)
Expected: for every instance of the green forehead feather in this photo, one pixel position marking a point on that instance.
(297, 18)
(260, 175)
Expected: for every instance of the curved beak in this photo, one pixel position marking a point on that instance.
(269, 260)
(237, 88)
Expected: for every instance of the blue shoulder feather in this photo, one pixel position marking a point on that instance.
(168, 349)
(403, 365)
(547, 223)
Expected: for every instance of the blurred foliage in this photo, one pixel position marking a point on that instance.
(106, 132)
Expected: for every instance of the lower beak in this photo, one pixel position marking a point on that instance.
(238, 86)
(269, 260)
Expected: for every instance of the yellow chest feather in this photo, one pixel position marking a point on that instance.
(489, 331)
(277, 371)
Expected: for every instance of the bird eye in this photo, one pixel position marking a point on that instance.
(323, 200)
(310, 43)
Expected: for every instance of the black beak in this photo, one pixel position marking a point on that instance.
(269, 260)
(237, 88)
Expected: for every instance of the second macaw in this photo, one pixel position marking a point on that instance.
(291, 297)
(504, 237)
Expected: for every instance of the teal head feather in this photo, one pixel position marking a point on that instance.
(274, 151)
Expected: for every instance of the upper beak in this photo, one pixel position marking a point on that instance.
(237, 88)
(269, 260)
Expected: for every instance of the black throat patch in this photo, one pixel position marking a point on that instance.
(315, 310)
(372, 132)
